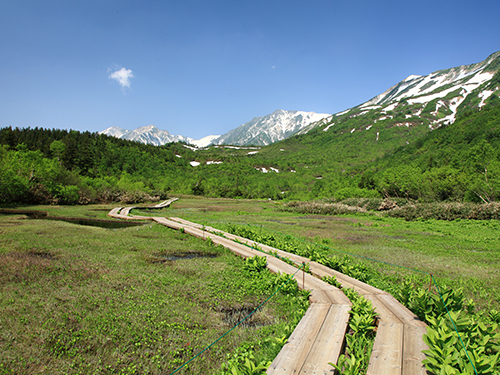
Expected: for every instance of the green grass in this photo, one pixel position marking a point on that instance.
(460, 253)
(80, 300)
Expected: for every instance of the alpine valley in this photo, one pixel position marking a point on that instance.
(427, 138)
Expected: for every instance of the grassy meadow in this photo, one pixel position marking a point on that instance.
(460, 253)
(80, 299)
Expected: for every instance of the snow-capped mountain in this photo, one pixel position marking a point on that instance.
(259, 131)
(269, 129)
(152, 135)
(433, 99)
(116, 132)
(203, 142)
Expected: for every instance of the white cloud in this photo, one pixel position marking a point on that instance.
(122, 76)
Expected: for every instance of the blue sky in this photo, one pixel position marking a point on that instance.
(197, 68)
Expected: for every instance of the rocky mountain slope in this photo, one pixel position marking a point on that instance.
(432, 100)
(418, 103)
(269, 129)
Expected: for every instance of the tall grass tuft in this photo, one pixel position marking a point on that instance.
(401, 208)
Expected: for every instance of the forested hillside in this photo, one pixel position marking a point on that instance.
(44, 166)
(458, 162)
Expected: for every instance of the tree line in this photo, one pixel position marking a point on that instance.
(458, 162)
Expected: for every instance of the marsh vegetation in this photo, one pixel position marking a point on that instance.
(80, 299)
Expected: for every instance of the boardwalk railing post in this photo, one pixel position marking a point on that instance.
(303, 275)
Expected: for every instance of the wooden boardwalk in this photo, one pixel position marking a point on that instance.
(319, 337)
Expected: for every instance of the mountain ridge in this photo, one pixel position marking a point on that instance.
(271, 128)
(431, 101)
(437, 95)
(150, 134)
(259, 131)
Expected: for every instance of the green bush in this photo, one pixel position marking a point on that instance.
(68, 194)
(255, 264)
(446, 354)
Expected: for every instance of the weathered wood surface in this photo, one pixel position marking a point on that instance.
(164, 204)
(387, 352)
(404, 355)
(328, 342)
(319, 337)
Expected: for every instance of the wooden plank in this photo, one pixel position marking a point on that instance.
(387, 353)
(266, 248)
(329, 342)
(291, 358)
(282, 266)
(114, 211)
(413, 345)
(168, 223)
(383, 311)
(238, 249)
(321, 270)
(164, 203)
(318, 296)
(337, 296)
(284, 254)
(126, 211)
(404, 314)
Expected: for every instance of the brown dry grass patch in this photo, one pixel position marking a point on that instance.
(26, 267)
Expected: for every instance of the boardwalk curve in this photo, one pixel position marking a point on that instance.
(319, 337)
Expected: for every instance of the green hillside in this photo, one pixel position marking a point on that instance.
(403, 150)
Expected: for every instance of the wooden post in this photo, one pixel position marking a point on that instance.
(430, 282)
(303, 275)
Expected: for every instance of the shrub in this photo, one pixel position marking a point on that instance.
(68, 194)
(448, 211)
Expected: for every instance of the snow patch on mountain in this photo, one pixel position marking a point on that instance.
(205, 141)
(328, 127)
(343, 112)
(484, 95)
(420, 90)
(115, 131)
(411, 77)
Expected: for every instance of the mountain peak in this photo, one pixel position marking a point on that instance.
(271, 128)
(432, 100)
(151, 129)
(411, 77)
(150, 134)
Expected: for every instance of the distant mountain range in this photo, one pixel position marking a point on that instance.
(152, 135)
(259, 131)
(432, 100)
